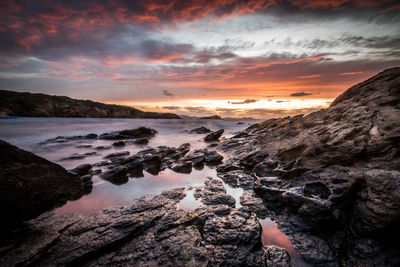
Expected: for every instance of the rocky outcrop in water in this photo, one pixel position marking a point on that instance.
(154, 160)
(42, 105)
(331, 178)
(31, 185)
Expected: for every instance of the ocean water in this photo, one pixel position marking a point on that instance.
(31, 133)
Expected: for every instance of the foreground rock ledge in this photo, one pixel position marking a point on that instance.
(150, 233)
(31, 185)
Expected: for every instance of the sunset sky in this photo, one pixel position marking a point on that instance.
(232, 58)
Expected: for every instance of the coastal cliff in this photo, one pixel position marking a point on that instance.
(42, 105)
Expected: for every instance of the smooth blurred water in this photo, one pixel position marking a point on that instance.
(30, 133)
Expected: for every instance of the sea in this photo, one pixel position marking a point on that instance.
(31, 134)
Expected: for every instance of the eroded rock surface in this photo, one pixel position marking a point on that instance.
(332, 177)
(149, 233)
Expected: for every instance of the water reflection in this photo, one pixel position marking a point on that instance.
(105, 194)
(189, 203)
(271, 235)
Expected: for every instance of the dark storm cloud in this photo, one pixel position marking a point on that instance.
(301, 94)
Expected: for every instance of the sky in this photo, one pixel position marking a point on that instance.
(233, 58)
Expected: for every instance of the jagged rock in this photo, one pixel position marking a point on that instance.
(212, 157)
(214, 193)
(214, 136)
(182, 167)
(277, 257)
(31, 185)
(334, 174)
(200, 130)
(82, 169)
(149, 233)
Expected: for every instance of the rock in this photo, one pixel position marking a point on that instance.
(83, 146)
(333, 174)
(141, 132)
(141, 141)
(77, 156)
(214, 193)
(117, 155)
(116, 175)
(91, 136)
(119, 144)
(200, 130)
(213, 117)
(277, 257)
(149, 233)
(214, 136)
(31, 185)
(212, 157)
(182, 167)
(102, 147)
(82, 169)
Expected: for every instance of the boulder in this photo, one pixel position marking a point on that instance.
(82, 170)
(214, 136)
(31, 185)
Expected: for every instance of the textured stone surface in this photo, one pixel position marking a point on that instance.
(332, 175)
(31, 185)
(150, 233)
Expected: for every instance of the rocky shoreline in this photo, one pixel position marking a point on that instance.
(329, 179)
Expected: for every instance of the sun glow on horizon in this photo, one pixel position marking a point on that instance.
(257, 108)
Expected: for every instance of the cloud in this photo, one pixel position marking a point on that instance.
(247, 101)
(300, 94)
(168, 93)
(171, 107)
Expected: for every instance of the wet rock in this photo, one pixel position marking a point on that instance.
(212, 157)
(119, 144)
(141, 141)
(103, 147)
(200, 130)
(82, 169)
(77, 156)
(141, 132)
(182, 167)
(319, 189)
(277, 257)
(149, 233)
(91, 136)
(117, 155)
(116, 175)
(31, 185)
(214, 193)
(214, 136)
